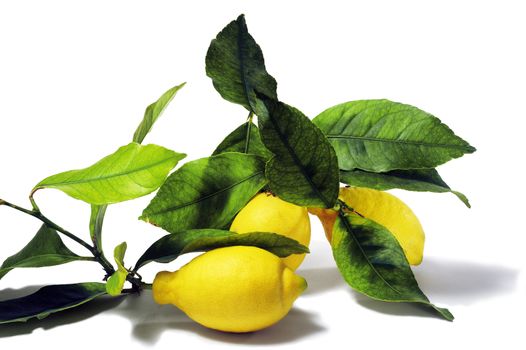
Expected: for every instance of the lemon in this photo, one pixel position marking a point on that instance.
(327, 218)
(268, 213)
(385, 209)
(234, 289)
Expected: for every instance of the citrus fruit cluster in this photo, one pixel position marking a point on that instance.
(244, 289)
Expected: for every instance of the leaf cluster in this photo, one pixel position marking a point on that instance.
(378, 144)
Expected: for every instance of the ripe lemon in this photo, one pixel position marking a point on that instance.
(234, 289)
(385, 209)
(268, 213)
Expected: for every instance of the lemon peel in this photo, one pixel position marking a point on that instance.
(234, 289)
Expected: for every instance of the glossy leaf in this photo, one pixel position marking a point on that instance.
(420, 180)
(153, 112)
(171, 246)
(116, 281)
(381, 135)
(45, 249)
(372, 262)
(132, 171)
(304, 170)
(206, 193)
(235, 63)
(237, 141)
(49, 300)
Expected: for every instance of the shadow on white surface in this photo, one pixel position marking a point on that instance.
(150, 321)
(449, 283)
(322, 279)
(81, 313)
(462, 282)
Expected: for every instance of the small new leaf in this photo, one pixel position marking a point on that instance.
(420, 180)
(381, 135)
(116, 281)
(45, 249)
(49, 300)
(235, 64)
(131, 172)
(171, 246)
(372, 262)
(304, 170)
(153, 112)
(206, 193)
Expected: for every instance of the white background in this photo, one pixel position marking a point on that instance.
(75, 78)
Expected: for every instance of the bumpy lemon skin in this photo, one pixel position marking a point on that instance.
(268, 213)
(234, 289)
(390, 212)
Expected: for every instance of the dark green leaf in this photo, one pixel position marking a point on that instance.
(206, 193)
(169, 247)
(153, 112)
(237, 140)
(372, 262)
(45, 249)
(304, 170)
(420, 180)
(381, 135)
(116, 281)
(235, 63)
(133, 171)
(49, 300)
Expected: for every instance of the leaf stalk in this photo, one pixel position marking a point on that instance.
(249, 127)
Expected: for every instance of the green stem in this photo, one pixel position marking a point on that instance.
(96, 220)
(249, 127)
(33, 203)
(37, 214)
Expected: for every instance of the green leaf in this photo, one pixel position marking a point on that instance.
(95, 224)
(304, 170)
(372, 262)
(171, 246)
(235, 63)
(236, 141)
(45, 249)
(132, 171)
(420, 180)
(206, 193)
(116, 281)
(381, 135)
(49, 300)
(153, 112)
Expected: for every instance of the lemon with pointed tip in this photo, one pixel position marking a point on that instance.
(385, 209)
(268, 213)
(234, 289)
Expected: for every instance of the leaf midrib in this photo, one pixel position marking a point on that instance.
(349, 230)
(242, 64)
(177, 207)
(121, 174)
(408, 142)
(51, 255)
(297, 161)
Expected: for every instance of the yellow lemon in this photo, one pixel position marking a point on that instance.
(327, 218)
(385, 209)
(233, 289)
(268, 213)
